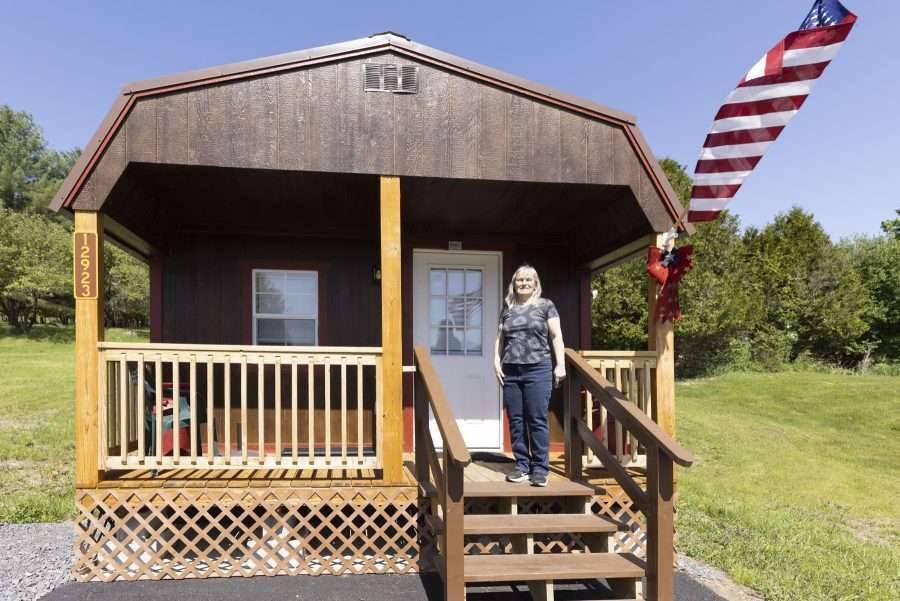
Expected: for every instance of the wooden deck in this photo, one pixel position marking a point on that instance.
(485, 467)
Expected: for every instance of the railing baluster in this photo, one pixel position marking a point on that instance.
(379, 421)
(123, 409)
(244, 408)
(210, 431)
(140, 412)
(294, 409)
(260, 410)
(311, 417)
(343, 410)
(159, 409)
(226, 384)
(620, 444)
(176, 409)
(278, 410)
(327, 410)
(359, 410)
(193, 406)
(633, 397)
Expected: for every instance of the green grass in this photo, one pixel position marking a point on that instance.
(796, 483)
(37, 421)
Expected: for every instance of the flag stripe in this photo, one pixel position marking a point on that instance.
(809, 56)
(742, 136)
(698, 216)
(789, 74)
(714, 191)
(752, 121)
(771, 91)
(728, 178)
(722, 165)
(761, 107)
(736, 150)
(820, 36)
(708, 204)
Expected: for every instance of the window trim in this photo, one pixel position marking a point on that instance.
(255, 315)
(246, 268)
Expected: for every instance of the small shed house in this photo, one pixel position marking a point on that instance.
(330, 233)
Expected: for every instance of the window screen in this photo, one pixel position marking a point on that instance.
(285, 307)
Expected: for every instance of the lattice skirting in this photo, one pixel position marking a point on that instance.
(611, 502)
(130, 534)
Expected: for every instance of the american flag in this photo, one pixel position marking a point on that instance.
(762, 104)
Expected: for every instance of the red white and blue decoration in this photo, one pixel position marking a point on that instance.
(762, 104)
(667, 265)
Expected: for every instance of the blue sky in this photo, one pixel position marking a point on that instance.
(669, 63)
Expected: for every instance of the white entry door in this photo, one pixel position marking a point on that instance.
(456, 301)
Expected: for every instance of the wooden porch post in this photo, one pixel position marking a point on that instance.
(391, 330)
(88, 251)
(661, 338)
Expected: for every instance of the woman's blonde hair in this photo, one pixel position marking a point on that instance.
(511, 297)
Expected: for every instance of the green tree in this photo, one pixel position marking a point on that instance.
(875, 259)
(127, 289)
(37, 256)
(30, 172)
(811, 292)
(891, 227)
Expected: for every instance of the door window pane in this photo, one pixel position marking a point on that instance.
(455, 311)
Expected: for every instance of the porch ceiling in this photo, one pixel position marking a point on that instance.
(160, 203)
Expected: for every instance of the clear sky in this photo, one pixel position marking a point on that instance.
(670, 63)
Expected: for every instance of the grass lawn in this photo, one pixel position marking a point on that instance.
(796, 487)
(36, 421)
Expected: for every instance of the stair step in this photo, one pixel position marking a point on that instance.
(538, 523)
(550, 566)
(556, 487)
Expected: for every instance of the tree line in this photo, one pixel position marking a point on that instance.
(36, 246)
(764, 297)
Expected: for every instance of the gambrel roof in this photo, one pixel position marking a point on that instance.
(306, 110)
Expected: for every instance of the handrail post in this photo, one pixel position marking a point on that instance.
(660, 526)
(454, 540)
(574, 445)
(420, 419)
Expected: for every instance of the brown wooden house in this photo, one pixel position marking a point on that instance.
(329, 234)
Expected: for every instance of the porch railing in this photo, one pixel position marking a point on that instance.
(656, 502)
(167, 406)
(632, 373)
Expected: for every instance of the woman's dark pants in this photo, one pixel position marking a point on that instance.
(526, 396)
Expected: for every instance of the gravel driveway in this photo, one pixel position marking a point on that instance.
(34, 559)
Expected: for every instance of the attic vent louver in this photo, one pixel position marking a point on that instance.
(399, 79)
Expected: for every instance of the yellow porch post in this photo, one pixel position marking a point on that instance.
(661, 338)
(391, 331)
(88, 290)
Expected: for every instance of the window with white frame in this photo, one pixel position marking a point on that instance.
(285, 307)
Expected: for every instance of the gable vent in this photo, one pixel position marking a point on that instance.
(391, 77)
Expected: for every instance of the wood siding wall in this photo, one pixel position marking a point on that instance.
(321, 119)
(205, 301)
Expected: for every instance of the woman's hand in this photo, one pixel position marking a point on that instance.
(559, 374)
(498, 370)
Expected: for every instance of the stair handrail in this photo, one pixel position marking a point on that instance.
(663, 451)
(440, 408)
(446, 495)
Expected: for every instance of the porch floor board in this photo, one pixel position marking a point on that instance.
(485, 467)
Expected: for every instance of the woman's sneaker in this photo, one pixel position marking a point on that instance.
(516, 476)
(539, 480)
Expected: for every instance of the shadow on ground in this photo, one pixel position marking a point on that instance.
(334, 588)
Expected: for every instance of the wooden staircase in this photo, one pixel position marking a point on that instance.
(621, 573)
(442, 482)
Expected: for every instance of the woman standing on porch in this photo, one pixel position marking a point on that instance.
(522, 360)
